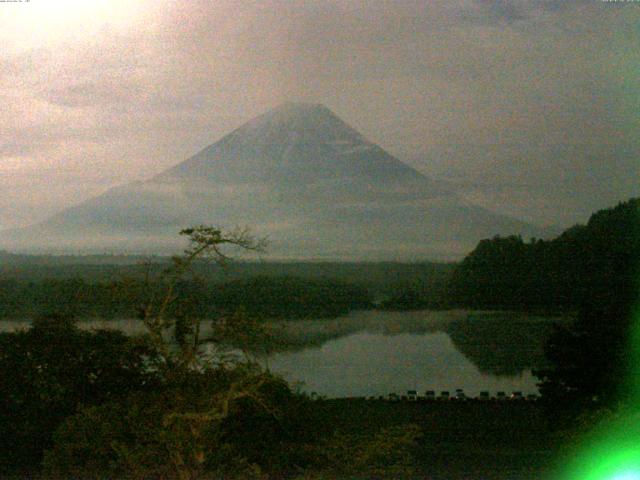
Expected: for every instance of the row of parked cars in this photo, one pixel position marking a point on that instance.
(459, 395)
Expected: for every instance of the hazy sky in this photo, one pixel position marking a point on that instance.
(527, 107)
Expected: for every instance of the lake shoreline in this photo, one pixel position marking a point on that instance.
(375, 353)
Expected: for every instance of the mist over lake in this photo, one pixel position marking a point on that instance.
(373, 353)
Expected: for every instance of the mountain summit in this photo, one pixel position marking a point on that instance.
(293, 145)
(298, 174)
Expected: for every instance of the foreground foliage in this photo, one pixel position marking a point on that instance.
(171, 404)
(48, 372)
(222, 422)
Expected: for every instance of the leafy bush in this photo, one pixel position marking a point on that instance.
(388, 453)
(50, 370)
(217, 423)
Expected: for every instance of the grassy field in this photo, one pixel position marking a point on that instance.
(461, 440)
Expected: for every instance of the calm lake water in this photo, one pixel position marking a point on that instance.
(376, 353)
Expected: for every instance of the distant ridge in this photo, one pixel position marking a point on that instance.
(297, 173)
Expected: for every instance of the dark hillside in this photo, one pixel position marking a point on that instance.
(507, 272)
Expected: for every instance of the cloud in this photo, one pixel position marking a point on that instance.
(471, 89)
(508, 11)
(511, 12)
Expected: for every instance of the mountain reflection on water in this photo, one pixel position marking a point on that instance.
(501, 344)
(377, 352)
(497, 343)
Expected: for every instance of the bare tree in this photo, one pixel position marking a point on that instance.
(176, 336)
(184, 329)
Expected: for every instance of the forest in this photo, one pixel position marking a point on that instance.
(558, 274)
(92, 286)
(500, 273)
(269, 297)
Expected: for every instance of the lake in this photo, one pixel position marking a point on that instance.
(375, 353)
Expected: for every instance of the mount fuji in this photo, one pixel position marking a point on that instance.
(297, 174)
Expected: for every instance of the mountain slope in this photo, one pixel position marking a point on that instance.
(298, 174)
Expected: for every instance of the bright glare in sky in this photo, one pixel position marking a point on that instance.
(31, 23)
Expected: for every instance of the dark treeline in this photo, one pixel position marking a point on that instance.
(268, 297)
(423, 294)
(380, 278)
(501, 273)
(290, 297)
(596, 357)
(31, 285)
(507, 272)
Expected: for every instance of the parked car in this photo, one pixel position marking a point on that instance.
(501, 396)
(430, 395)
(393, 397)
(412, 395)
(460, 396)
(444, 395)
(484, 396)
(516, 397)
